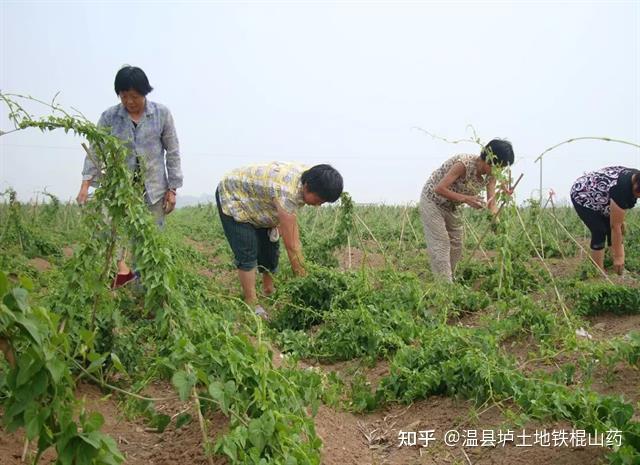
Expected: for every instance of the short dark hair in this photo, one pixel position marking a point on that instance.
(325, 181)
(499, 152)
(132, 77)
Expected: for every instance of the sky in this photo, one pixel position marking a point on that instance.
(345, 83)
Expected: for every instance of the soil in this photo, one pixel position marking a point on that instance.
(375, 438)
(606, 326)
(40, 264)
(349, 439)
(136, 442)
(354, 259)
(199, 246)
(348, 370)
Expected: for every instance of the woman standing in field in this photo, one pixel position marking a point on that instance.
(459, 180)
(600, 198)
(148, 130)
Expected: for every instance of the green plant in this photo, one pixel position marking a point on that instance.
(38, 390)
(596, 298)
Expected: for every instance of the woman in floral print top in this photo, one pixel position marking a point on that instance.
(600, 198)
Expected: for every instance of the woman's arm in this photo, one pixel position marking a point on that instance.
(90, 171)
(616, 218)
(443, 187)
(172, 148)
(491, 195)
(288, 226)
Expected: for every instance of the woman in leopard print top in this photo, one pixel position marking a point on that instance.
(459, 180)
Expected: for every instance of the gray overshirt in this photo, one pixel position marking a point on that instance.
(153, 140)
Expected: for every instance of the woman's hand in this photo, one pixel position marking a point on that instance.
(474, 202)
(299, 271)
(83, 195)
(619, 269)
(169, 201)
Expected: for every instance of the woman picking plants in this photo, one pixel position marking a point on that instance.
(459, 180)
(600, 198)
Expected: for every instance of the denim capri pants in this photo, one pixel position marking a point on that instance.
(251, 245)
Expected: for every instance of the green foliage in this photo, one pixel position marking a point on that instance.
(522, 315)
(308, 299)
(266, 406)
(38, 391)
(458, 361)
(596, 298)
(322, 251)
(30, 240)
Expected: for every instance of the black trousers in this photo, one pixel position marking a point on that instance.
(598, 224)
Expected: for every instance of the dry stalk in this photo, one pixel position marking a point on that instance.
(25, 449)
(466, 456)
(384, 255)
(606, 139)
(582, 248)
(413, 230)
(546, 267)
(404, 219)
(203, 426)
(474, 235)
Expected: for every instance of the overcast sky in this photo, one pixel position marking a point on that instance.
(343, 83)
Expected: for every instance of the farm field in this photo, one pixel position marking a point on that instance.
(531, 355)
(530, 347)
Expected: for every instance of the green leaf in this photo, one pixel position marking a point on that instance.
(4, 284)
(93, 422)
(117, 363)
(36, 386)
(256, 435)
(87, 451)
(217, 391)
(112, 455)
(28, 366)
(30, 326)
(56, 368)
(21, 298)
(97, 363)
(183, 419)
(92, 438)
(26, 282)
(229, 447)
(32, 421)
(160, 422)
(183, 382)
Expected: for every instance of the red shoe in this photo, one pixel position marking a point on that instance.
(123, 279)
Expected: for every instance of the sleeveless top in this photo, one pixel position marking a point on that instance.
(470, 184)
(595, 190)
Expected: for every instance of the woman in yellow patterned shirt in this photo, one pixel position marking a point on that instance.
(257, 201)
